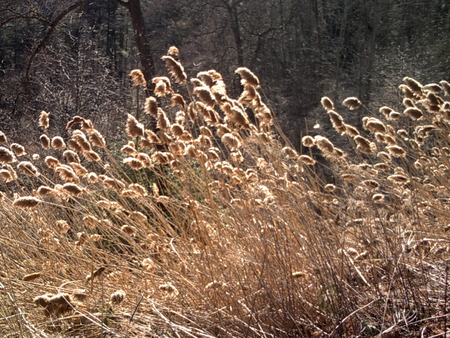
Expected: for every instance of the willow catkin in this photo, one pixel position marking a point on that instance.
(137, 77)
(134, 129)
(44, 120)
(175, 69)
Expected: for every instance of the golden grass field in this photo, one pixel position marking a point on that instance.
(209, 223)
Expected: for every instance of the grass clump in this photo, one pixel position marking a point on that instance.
(212, 225)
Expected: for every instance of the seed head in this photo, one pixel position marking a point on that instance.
(117, 297)
(351, 103)
(247, 77)
(137, 77)
(327, 103)
(18, 149)
(175, 69)
(414, 113)
(134, 129)
(26, 202)
(28, 168)
(6, 156)
(3, 138)
(151, 106)
(58, 143)
(396, 151)
(44, 120)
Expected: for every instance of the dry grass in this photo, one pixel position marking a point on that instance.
(213, 226)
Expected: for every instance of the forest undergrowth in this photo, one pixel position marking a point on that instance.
(208, 222)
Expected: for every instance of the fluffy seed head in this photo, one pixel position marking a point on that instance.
(231, 141)
(52, 162)
(396, 151)
(308, 141)
(134, 129)
(415, 86)
(18, 149)
(363, 144)
(175, 69)
(44, 120)
(117, 297)
(28, 168)
(327, 103)
(96, 138)
(205, 95)
(247, 77)
(137, 77)
(133, 163)
(3, 138)
(151, 106)
(305, 159)
(58, 143)
(351, 103)
(324, 144)
(26, 202)
(72, 189)
(414, 113)
(6, 156)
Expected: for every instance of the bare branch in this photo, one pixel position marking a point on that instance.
(49, 33)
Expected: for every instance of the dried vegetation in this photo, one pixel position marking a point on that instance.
(211, 225)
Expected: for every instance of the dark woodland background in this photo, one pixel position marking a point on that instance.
(73, 57)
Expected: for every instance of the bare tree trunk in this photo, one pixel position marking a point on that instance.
(142, 43)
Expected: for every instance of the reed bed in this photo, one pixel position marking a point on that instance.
(208, 222)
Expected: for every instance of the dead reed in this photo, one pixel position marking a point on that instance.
(212, 226)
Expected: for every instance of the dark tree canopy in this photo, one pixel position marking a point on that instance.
(74, 56)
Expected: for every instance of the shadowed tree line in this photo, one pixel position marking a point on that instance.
(73, 57)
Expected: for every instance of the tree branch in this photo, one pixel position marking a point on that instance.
(49, 33)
